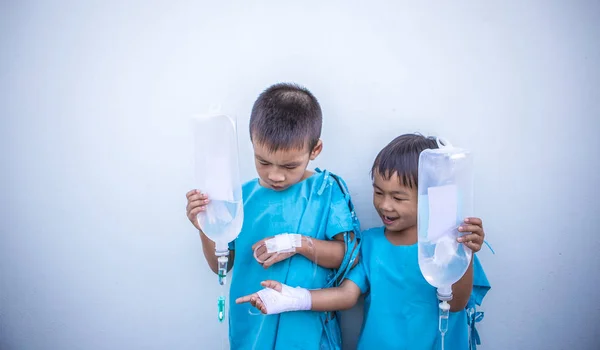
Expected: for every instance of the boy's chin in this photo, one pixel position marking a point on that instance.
(273, 187)
(395, 227)
(390, 227)
(279, 188)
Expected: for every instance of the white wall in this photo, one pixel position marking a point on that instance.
(95, 147)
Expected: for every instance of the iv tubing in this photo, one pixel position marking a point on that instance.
(444, 296)
(223, 259)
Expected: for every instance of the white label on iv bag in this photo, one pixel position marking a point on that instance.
(218, 186)
(443, 202)
(216, 165)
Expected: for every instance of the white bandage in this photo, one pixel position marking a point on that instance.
(284, 243)
(290, 299)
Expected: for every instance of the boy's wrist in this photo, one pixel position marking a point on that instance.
(303, 248)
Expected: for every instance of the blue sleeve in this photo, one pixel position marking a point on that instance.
(358, 275)
(340, 218)
(232, 245)
(481, 285)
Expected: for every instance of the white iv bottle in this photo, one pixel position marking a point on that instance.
(445, 200)
(217, 175)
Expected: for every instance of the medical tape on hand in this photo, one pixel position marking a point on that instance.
(289, 299)
(284, 243)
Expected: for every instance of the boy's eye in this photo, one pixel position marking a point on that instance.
(378, 193)
(262, 162)
(399, 199)
(291, 167)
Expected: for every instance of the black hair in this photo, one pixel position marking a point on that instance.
(401, 157)
(286, 116)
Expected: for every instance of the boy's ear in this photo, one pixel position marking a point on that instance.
(316, 150)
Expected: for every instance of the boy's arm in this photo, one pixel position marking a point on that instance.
(343, 297)
(325, 253)
(328, 254)
(277, 298)
(461, 290)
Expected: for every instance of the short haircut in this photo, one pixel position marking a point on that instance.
(401, 157)
(286, 116)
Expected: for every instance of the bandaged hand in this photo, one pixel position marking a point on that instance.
(277, 297)
(274, 249)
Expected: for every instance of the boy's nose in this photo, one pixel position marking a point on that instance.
(386, 205)
(276, 176)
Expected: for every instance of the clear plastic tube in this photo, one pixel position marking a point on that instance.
(443, 319)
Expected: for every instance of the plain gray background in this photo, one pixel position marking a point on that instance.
(95, 146)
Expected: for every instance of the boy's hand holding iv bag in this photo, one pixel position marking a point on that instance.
(474, 235)
(196, 203)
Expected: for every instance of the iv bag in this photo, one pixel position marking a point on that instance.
(218, 175)
(445, 200)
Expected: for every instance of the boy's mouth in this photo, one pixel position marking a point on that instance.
(388, 220)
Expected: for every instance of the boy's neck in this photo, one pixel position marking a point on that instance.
(307, 174)
(408, 236)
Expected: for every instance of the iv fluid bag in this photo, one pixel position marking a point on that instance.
(445, 200)
(218, 175)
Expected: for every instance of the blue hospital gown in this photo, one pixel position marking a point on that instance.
(401, 308)
(314, 207)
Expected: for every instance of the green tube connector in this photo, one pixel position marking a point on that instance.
(221, 306)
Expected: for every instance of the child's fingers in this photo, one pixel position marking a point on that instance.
(472, 238)
(258, 245)
(257, 303)
(192, 212)
(263, 257)
(272, 260)
(245, 299)
(197, 203)
(271, 284)
(195, 194)
(474, 221)
(197, 210)
(261, 307)
(475, 247)
(197, 197)
(277, 257)
(470, 228)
